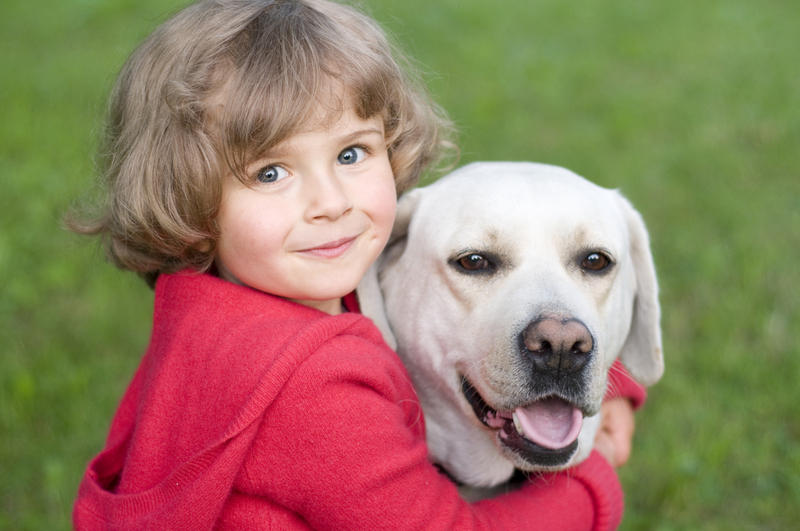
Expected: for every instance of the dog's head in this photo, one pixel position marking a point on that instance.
(511, 288)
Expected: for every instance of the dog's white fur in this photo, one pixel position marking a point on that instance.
(536, 222)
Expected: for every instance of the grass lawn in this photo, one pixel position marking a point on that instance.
(692, 109)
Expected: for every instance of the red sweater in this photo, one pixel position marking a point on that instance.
(249, 411)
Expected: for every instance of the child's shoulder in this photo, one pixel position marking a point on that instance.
(243, 323)
(233, 349)
(206, 297)
(202, 293)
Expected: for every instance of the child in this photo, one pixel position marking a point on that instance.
(254, 153)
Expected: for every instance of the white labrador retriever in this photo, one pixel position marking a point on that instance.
(510, 289)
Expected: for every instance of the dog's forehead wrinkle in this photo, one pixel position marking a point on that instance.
(486, 232)
(591, 235)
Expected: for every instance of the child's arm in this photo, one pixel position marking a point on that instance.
(343, 447)
(622, 385)
(615, 436)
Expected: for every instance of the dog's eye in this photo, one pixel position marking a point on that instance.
(474, 263)
(596, 262)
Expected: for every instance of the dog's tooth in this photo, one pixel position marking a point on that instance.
(517, 423)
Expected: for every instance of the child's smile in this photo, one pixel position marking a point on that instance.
(318, 212)
(330, 249)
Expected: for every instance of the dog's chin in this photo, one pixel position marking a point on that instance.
(529, 456)
(523, 452)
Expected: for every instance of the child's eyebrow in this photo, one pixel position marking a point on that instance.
(361, 132)
(282, 149)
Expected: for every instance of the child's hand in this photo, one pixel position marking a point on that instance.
(614, 438)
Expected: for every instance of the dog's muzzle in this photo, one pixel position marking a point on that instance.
(544, 431)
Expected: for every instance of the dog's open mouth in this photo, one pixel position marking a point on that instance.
(543, 433)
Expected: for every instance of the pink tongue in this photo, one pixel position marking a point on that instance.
(551, 423)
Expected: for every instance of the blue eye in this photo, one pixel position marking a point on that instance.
(271, 174)
(351, 155)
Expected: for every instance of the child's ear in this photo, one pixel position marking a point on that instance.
(204, 245)
(370, 297)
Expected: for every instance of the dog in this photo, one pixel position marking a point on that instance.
(509, 289)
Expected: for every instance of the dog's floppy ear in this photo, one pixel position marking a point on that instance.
(370, 297)
(406, 206)
(642, 352)
(370, 302)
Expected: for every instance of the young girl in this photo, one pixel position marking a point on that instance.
(255, 150)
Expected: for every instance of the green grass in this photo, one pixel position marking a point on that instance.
(691, 108)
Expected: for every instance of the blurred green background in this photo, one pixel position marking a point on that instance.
(692, 109)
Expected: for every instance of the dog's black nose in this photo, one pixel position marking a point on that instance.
(557, 344)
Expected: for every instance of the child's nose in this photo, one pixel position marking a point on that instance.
(327, 197)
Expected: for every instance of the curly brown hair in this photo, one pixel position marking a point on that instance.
(215, 87)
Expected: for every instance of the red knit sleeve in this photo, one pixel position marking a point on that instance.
(622, 385)
(342, 447)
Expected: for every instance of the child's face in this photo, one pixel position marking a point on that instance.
(320, 211)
